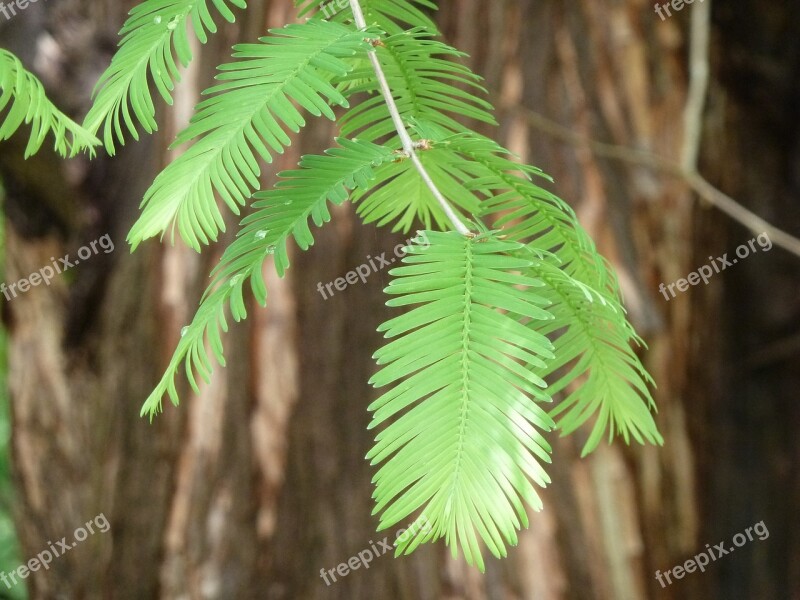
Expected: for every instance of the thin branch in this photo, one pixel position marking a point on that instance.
(696, 182)
(408, 144)
(698, 85)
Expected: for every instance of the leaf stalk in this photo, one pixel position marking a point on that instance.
(408, 145)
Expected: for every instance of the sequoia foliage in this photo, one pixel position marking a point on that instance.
(508, 322)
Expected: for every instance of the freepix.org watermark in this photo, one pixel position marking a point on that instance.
(61, 547)
(45, 274)
(366, 556)
(9, 9)
(329, 9)
(677, 5)
(373, 265)
(719, 264)
(702, 560)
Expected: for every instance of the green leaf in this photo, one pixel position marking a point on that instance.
(461, 442)
(527, 212)
(402, 198)
(595, 365)
(426, 82)
(24, 97)
(246, 117)
(153, 31)
(392, 16)
(281, 213)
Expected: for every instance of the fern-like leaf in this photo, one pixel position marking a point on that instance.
(464, 443)
(595, 364)
(25, 98)
(611, 385)
(281, 213)
(527, 212)
(155, 32)
(427, 83)
(392, 16)
(244, 119)
(402, 199)
(592, 336)
(484, 177)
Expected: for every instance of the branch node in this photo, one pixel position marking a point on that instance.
(423, 145)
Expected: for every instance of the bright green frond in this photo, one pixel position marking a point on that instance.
(462, 442)
(595, 365)
(246, 118)
(427, 83)
(611, 385)
(528, 213)
(208, 323)
(492, 325)
(23, 95)
(153, 31)
(392, 16)
(595, 354)
(281, 213)
(300, 195)
(401, 198)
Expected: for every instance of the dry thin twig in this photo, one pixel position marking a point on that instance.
(699, 70)
(696, 182)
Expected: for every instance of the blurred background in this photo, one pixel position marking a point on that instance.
(248, 489)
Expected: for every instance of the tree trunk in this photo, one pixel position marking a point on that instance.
(250, 487)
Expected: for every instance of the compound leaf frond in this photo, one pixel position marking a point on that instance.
(402, 198)
(595, 366)
(245, 118)
(281, 213)
(153, 30)
(427, 83)
(464, 444)
(24, 96)
(392, 16)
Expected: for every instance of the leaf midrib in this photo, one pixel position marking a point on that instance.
(465, 338)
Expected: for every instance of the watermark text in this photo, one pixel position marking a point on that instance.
(373, 265)
(366, 556)
(719, 264)
(710, 554)
(677, 5)
(61, 547)
(47, 273)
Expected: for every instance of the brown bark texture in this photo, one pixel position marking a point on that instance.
(249, 488)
